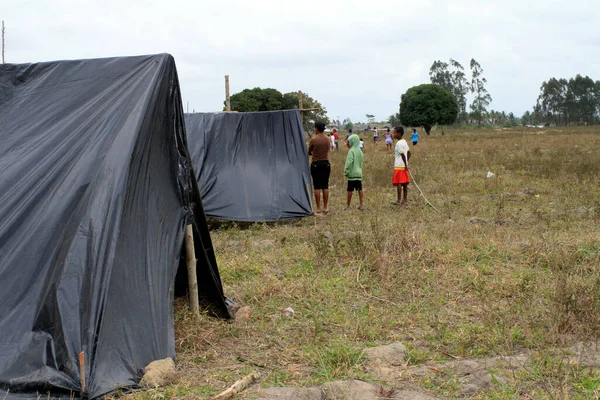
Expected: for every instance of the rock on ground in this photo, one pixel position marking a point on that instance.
(242, 314)
(283, 393)
(342, 390)
(159, 373)
(392, 354)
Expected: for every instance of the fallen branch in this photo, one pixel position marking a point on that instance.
(237, 387)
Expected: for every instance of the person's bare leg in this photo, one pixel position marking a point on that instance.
(405, 200)
(326, 200)
(361, 197)
(348, 200)
(399, 190)
(318, 200)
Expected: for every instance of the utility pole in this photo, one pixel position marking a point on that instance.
(3, 31)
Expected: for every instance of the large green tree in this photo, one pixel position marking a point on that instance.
(258, 99)
(427, 105)
(451, 76)
(290, 102)
(482, 98)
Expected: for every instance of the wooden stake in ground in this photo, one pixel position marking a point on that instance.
(3, 31)
(82, 371)
(227, 98)
(191, 267)
(312, 208)
(237, 387)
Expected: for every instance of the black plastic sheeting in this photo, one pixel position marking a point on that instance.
(96, 189)
(251, 167)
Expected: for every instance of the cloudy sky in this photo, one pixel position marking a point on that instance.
(356, 57)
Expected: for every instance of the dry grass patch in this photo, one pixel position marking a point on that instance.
(511, 264)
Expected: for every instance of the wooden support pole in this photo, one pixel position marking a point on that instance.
(312, 208)
(82, 371)
(3, 31)
(227, 98)
(300, 100)
(191, 267)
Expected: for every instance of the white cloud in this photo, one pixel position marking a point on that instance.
(356, 57)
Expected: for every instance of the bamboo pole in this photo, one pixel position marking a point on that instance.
(191, 267)
(82, 371)
(238, 386)
(227, 98)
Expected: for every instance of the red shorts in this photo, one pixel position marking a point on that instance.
(401, 177)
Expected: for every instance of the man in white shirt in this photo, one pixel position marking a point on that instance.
(401, 177)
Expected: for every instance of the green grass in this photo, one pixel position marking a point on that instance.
(524, 278)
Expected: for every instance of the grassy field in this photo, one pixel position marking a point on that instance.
(511, 265)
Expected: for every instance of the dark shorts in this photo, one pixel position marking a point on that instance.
(354, 185)
(320, 171)
(415, 143)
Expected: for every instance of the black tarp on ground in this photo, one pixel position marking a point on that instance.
(96, 188)
(251, 166)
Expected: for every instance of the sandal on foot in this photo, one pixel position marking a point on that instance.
(361, 208)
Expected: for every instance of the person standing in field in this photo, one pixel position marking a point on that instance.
(361, 145)
(332, 140)
(353, 171)
(348, 137)
(388, 139)
(401, 177)
(320, 169)
(375, 136)
(337, 138)
(415, 137)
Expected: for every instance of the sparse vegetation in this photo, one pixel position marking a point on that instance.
(511, 266)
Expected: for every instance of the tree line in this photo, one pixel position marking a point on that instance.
(563, 102)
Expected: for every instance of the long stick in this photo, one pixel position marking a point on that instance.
(82, 371)
(428, 202)
(191, 267)
(237, 387)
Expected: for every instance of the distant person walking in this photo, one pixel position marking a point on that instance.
(353, 171)
(320, 169)
(332, 140)
(401, 177)
(375, 135)
(415, 137)
(388, 139)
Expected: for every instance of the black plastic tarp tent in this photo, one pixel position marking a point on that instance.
(251, 166)
(96, 188)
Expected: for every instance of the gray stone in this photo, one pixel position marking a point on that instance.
(392, 354)
(586, 354)
(328, 235)
(289, 393)
(350, 390)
